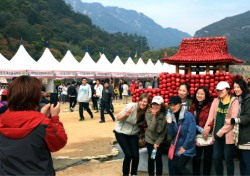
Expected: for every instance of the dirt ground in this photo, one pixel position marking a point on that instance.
(89, 138)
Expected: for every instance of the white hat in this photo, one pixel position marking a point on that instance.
(222, 85)
(157, 99)
(94, 81)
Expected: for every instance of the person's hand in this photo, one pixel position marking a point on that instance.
(94, 95)
(181, 150)
(206, 132)
(129, 111)
(45, 110)
(54, 111)
(228, 121)
(153, 111)
(156, 146)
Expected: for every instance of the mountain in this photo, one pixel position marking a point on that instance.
(114, 19)
(237, 31)
(36, 22)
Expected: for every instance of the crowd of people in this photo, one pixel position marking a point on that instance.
(225, 119)
(101, 93)
(30, 127)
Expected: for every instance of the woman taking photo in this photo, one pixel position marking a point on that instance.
(242, 125)
(224, 107)
(155, 133)
(185, 146)
(200, 109)
(27, 136)
(126, 132)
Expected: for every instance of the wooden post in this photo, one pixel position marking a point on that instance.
(220, 68)
(189, 69)
(197, 70)
(177, 69)
(227, 67)
(207, 68)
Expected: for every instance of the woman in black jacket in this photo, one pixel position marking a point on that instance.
(242, 125)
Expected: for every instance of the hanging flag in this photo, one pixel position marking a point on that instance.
(136, 54)
(46, 44)
(165, 54)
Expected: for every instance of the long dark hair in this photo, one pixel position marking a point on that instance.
(208, 98)
(243, 86)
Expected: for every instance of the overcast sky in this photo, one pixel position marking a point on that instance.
(185, 15)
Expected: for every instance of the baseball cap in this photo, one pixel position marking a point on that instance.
(174, 100)
(157, 99)
(222, 85)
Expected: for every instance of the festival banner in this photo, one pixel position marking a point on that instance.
(118, 75)
(64, 74)
(41, 74)
(103, 74)
(85, 74)
(8, 73)
(131, 75)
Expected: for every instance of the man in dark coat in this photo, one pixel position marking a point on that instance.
(107, 96)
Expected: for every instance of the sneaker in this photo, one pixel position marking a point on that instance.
(101, 121)
(96, 111)
(92, 116)
(81, 119)
(71, 109)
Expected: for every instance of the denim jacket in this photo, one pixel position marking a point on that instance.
(187, 134)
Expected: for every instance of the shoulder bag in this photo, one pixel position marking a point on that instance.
(171, 149)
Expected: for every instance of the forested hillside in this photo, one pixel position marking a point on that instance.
(237, 31)
(34, 22)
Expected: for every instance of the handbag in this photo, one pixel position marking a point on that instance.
(200, 141)
(171, 149)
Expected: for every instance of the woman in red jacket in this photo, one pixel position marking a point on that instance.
(200, 108)
(27, 136)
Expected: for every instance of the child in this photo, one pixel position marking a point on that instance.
(117, 93)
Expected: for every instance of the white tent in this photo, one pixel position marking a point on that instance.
(129, 68)
(103, 67)
(3, 62)
(140, 66)
(69, 63)
(150, 67)
(47, 62)
(21, 61)
(87, 63)
(159, 66)
(86, 67)
(141, 69)
(117, 68)
(168, 68)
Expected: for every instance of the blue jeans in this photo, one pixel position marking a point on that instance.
(244, 162)
(222, 149)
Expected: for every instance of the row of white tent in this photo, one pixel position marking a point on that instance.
(48, 67)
